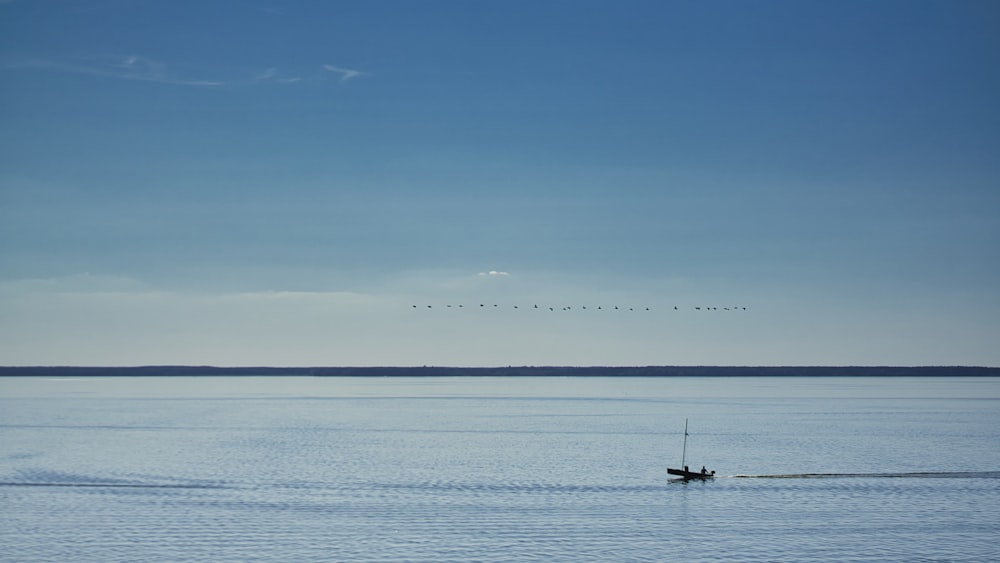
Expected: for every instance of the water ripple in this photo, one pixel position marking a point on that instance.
(906, 475)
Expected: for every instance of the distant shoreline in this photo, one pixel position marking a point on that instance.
(510, 371)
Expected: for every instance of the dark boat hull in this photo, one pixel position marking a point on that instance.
(690, 474)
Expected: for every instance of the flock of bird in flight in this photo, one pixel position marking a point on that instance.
(583, 308)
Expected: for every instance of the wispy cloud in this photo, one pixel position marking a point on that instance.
(136, 67)
(131, 67)
(271, 75)
(267, 74)
(345, 73)
(494, 274)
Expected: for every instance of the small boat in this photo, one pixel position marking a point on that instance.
(685, 473)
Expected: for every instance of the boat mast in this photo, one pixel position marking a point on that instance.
(684, 451)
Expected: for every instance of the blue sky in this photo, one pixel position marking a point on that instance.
(266, 182)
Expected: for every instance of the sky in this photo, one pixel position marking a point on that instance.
(260, 182)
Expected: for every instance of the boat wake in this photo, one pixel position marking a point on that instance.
(114, 485)
(48, 478)
(906, 475)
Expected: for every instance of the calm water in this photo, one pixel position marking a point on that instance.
(547, 469)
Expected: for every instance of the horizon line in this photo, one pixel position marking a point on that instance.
(648, 370)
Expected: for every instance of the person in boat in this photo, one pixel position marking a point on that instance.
(703, 470)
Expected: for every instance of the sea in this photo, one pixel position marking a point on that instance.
(499, 469)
